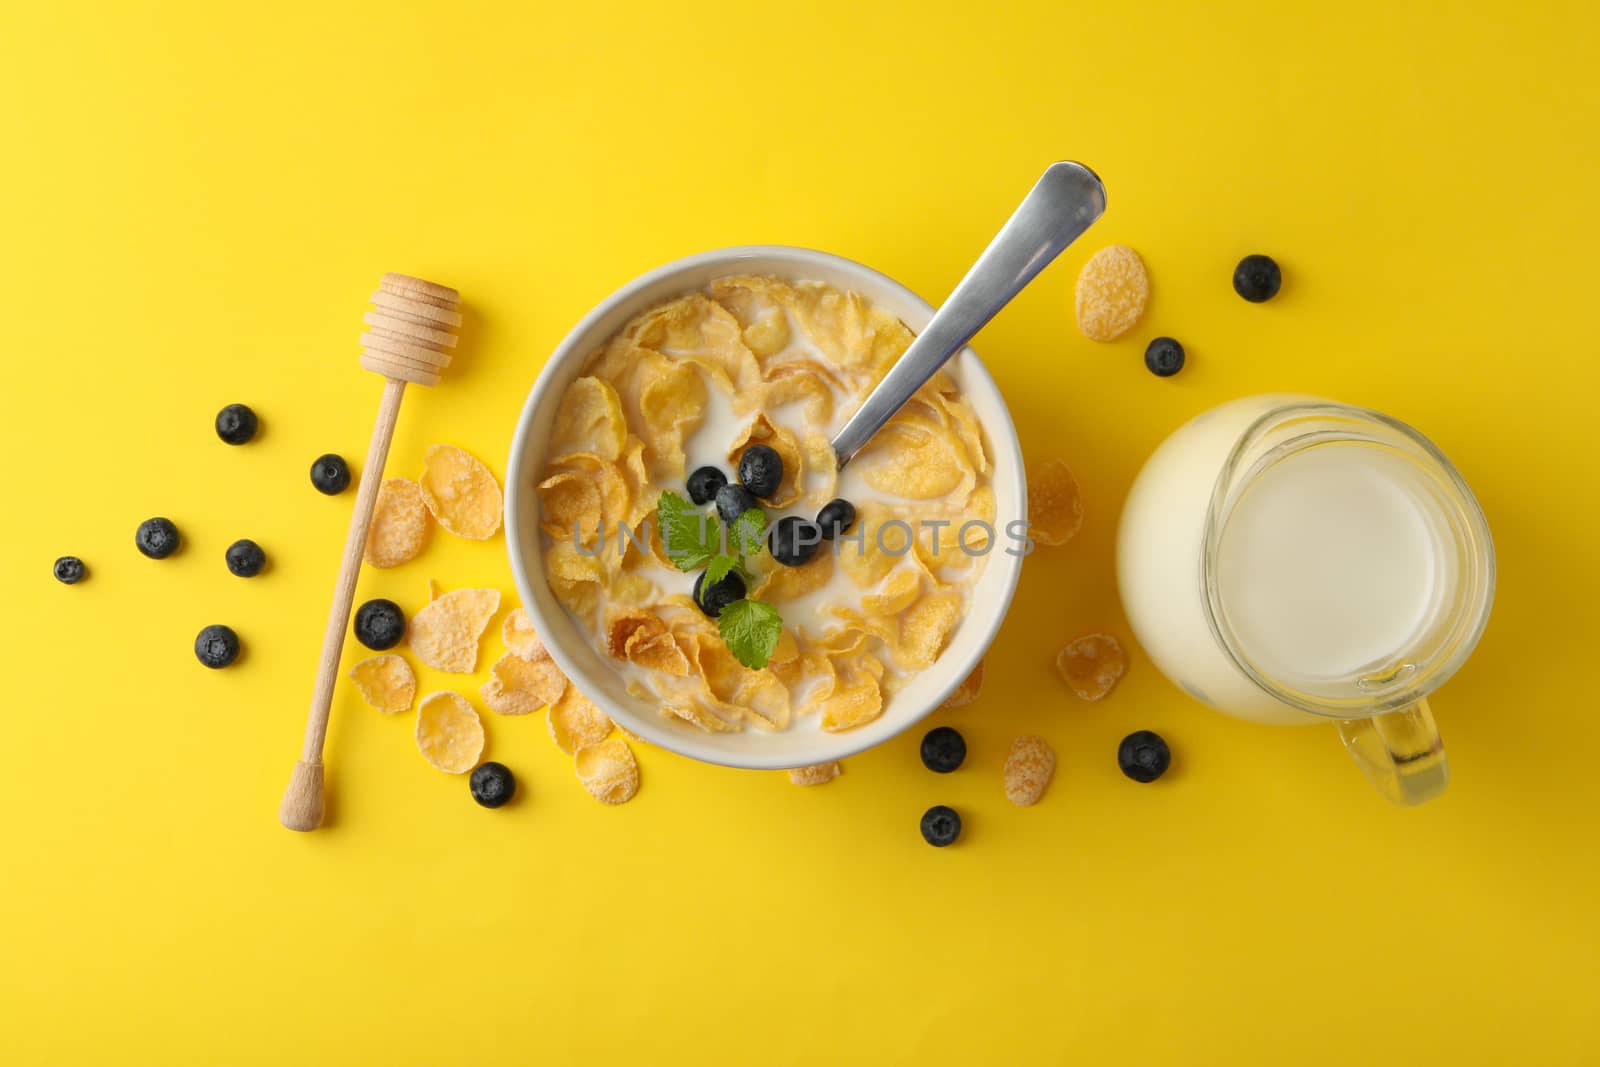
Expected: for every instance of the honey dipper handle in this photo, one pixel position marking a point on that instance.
(301, 808)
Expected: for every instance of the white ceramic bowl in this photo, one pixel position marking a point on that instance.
(804, 742)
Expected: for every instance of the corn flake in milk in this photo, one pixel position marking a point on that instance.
(693, 382)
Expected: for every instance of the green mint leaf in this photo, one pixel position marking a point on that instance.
(719, 568)
(748, 531)
(690, 538)
(750, 628)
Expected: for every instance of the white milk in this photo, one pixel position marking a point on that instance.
(1326, 565)
(1326, 568)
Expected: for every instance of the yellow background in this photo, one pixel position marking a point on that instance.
(194, 204)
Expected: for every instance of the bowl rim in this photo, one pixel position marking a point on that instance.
(957, 662)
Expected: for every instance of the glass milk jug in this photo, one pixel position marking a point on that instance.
(1286, 559)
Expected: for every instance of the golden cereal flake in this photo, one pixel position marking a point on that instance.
(816, 774)
(460, 492)
(518, 633)
(1113, 288)
(925, 628)
(589, 419)
(576, 722)
(387, 682)
(445, 633)
(569, 508)
(608, 770)
(1092, 665)
(449, 732)
(399, 524)
(1029, 766)
(1055, 506)
(517, 686)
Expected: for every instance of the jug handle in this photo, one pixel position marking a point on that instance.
(1399, 752)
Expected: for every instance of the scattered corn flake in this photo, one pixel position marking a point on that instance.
(1092, 664)
(520, 638)
(816, 774)
(1029, 765)
(517, 686)
(1055, 506)
(449, 732)
(576, 722)
(445, 633)
(968, 690)
(435, 590)
(460, 492)
(387, 682)
(1113, 289)
(608, 770)
(399, 524)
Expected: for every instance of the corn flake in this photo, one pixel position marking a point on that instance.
(1029, 767)
(1092, 665)
(574, 578)
(816, 774)
(576, 722)
(589, 419)
(569, 508)
(517, 686)
(449, 732)
(917, 456)
(608, 770)
(444, 634)
(460, 492)
(925, 628)
(1055, 507)
(1113, 288)
(399, 524)
(856, 700)
(386, 682)
(518, 633)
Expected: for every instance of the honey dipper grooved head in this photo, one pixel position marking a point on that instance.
(411, 330)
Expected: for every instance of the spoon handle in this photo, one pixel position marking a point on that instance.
(1061, 205)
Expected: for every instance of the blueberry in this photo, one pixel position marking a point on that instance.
(380, 624)
(1164, 357)
(836, 518)
(69, 570)
(943, 749)
(236, 424)
(245, 558)
(330, 474)
(1257, 278)
(940, 826)
(794, 540)
(216, 646)
(718, 595)
(704, 483)
(761, 469)
(733, 501)
(157, 538)
(1143, 756)
(492, 784)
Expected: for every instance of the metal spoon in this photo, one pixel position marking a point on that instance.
(1061, 205)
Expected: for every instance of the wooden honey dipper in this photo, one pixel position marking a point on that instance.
(411, 332)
